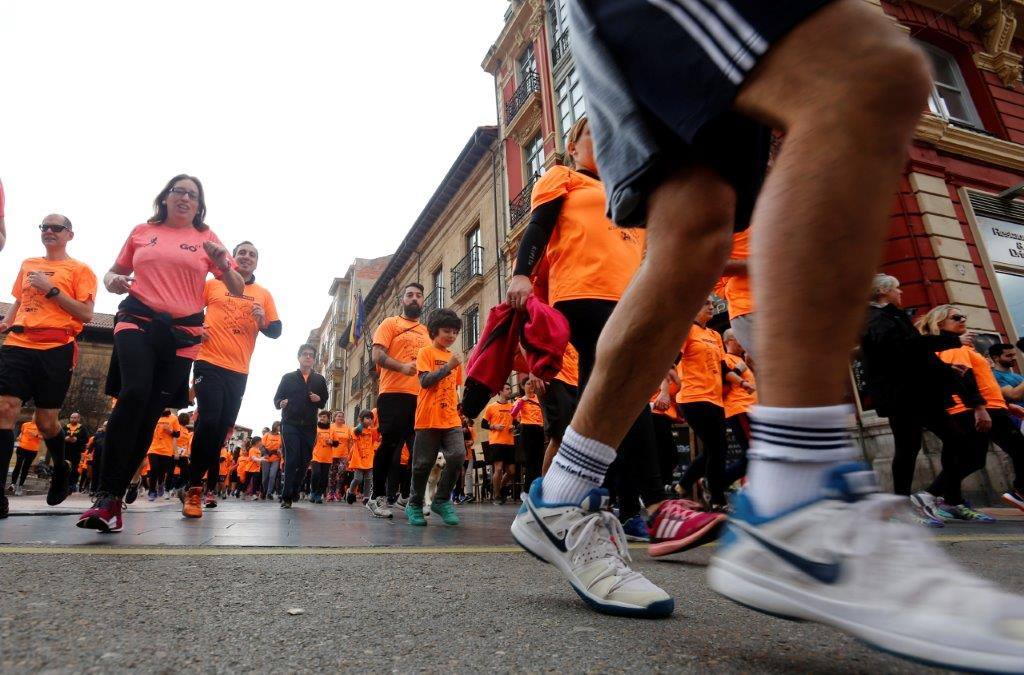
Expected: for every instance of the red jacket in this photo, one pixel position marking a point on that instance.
(543, 333)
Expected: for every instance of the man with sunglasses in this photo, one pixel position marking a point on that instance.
(53, 298)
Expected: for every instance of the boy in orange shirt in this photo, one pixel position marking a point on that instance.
(365, 438)
(161, 453)
(341, 441)
(438, 423)
(323, 457)
(27, 448)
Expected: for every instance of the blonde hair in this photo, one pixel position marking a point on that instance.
(573, 137)
(929, 323)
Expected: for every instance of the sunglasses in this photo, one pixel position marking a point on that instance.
(958, 317)
(182, 192)
(56, 229)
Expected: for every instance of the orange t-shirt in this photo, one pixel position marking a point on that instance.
(402, 339)
(499, 413)
(225, 462)
(35, 310)
(29, 438)
(185, 442)
(590, 256)
(437, 407)
(272, 444)
(364, 446)
(406, 455)
(343, 435)
(700, 368)
(988, 387)
(671, 412)
(231, 329)
(570, 372)
(163, 441)
(530, 413)
(737, 399)
(737, 288)
(323, 451)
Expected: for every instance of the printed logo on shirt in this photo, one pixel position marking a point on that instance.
(188, 247)
(152, 242)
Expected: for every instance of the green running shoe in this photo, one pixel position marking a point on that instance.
(446, 510)
(415, 515)
(964, 512)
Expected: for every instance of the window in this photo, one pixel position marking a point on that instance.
(1003, 240)
(438, 278)
(526, 64)
(559, 17)
(470, 328)
(950, 99)
(474, 251)
(534, 154)
(570, 102)
(435, 300)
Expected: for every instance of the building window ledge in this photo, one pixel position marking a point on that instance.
(958, 140)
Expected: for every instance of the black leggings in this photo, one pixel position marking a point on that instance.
(161, 467)
(907, 428)
(22, 465)
(219, 394)
(968, 455)
(668, 455)
(397, 414)
(635, 468)
(149, 379)
(531, 438)
(318, 483)
(708, 422)
(298, 451)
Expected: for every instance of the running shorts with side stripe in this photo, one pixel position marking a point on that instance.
(660, 78)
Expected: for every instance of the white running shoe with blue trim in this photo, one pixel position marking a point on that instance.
(841, 561)
(587, 544)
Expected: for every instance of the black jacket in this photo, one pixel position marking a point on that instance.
(902, 372)
(300, 411)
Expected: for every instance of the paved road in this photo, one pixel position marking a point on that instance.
(169, 595)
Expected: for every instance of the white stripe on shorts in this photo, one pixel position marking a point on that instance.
(751, 38)
(718, 32)
(710, 47)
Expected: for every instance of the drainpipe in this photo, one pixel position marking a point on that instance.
(496, 175)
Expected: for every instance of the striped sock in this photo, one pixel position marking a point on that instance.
(578, 467)
(792, 450)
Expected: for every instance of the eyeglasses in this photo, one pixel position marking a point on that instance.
(56, 229)
(958, 317)
(182, 192)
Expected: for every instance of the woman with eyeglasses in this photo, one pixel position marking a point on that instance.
(982, 419)
(162, 267)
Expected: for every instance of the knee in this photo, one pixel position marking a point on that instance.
(893, 85)
(9, 408)
(48, 424)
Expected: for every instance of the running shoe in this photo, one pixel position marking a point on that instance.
(378, 506)
(193, 503)
(286, 503)
(926, 508)
(446, 510)
(132, 494)
(1014, 498)
(5, 507)
(10, 488)
(105, 515)
(966, 513)
(675, 528)
(19, 491)
(401, 502)
(160, 493)
(211, 500)
(414, 514)
(587, 545)
(636, 529)
(840, 560)
(151, 496)
(59, 489)
(350, 498)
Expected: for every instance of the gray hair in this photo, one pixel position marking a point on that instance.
(883, 283)
(728, 335)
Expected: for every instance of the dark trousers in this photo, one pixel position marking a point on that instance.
(298, 450)
(907, 428)
(161, 467)
(968, 451)
(22, 465)
(739, 426)
(219, 394)
(97, 459)
(531, 440)
(708, 422)
(636, 464)
(397, 415)
(668, 455)
(73, 454)
(321, 473)
(150, 377)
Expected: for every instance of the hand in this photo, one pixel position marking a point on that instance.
(982, 421)
(519, 289)
(218, 254)
(408, 368)
(259, 314)
(119, 284)
(1015, 410)
(282, 404)
(748, 386)
(314, 398)
(5, 325)
(39, 281)
(454, 362)
(967, 340)
(663, 402)
(498, 427)
(539, 386)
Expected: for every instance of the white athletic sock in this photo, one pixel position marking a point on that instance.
(577, 468)
(792, 450)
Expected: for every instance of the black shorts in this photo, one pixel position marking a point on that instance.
(558, 405)
(506, 454)
(40, 375)
(664, 101)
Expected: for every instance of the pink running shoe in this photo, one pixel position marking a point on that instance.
(105, 516)
(675, 528)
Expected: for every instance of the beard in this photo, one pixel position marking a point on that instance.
(412, 311)
(323, 425)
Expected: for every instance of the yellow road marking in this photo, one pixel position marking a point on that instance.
(362, 550)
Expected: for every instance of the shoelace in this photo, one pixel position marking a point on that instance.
(600, 534)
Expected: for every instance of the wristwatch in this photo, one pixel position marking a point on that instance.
(53, 292)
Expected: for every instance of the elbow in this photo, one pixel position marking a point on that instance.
(273, 330)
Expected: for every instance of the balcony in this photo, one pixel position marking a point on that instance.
(522, 110)
(358, 380)
(468, 271)
(561, 48)
(433, 301)
(520, 204)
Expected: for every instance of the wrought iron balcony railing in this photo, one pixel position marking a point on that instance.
(561, 48)
(520, 204)
(433, 301)
(467, 269)
(530, 85)
(357, 382)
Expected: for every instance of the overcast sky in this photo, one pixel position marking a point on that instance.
(319, 130)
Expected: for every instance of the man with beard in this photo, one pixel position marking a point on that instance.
(395, 345)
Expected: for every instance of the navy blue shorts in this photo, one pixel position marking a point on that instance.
(660, 78)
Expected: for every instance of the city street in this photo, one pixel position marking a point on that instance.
(253, 587)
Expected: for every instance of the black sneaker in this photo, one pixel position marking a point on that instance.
(58, 491)
(4, 508)
(132, 494)
(350, 498)
(286, 503)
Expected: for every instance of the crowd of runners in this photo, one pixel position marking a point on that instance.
(652, 213)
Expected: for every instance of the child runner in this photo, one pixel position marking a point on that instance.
(323, 457)
(341, 441)
(27, 448)
(364, 445)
